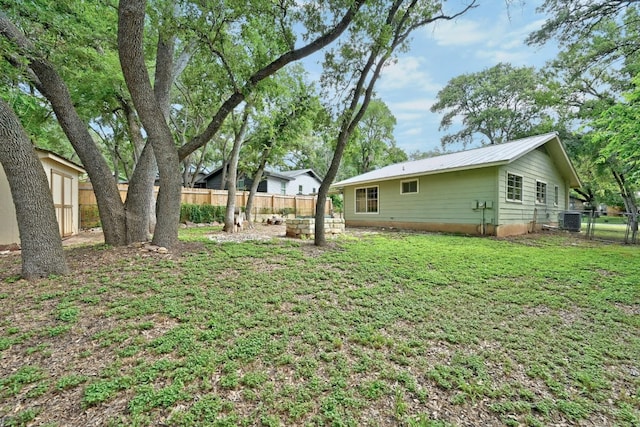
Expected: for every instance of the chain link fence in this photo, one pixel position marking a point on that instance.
(623, 228)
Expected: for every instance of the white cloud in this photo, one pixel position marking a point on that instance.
(407, 72)
(413, 131)
(412, 105)
(459, 32)
(494, 39)
(412, 110)
(406, 116)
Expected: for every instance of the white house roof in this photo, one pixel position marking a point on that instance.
(298, 172)
(492, 155)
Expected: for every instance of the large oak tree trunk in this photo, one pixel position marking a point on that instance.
(139, 203)
(140, 200)
(131, 14)
(42, 252)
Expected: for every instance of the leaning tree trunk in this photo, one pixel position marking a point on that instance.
(42, 253)
(257, 177)
(351, 119)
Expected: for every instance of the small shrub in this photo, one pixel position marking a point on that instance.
(201, 213)
(337, 202)
(286, 212)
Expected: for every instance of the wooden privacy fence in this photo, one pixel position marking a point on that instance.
(264, 204)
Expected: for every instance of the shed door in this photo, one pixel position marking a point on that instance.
(62, 201)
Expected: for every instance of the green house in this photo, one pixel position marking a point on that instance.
(501, 190)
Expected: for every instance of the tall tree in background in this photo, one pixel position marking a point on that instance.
(288, 112)
(500, 103)
(381, 30)
(42, 253)
(373, 144)
(315, 149)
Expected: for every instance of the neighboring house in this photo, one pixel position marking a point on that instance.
(302, 181)
(502, 190)
(63, 181)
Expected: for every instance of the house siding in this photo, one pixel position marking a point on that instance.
(527, 215)
(308, 182)
(443, 202)
(213, 182)
(274, 186)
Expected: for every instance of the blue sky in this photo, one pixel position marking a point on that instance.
(483, 37)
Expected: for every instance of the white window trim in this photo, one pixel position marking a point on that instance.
(506, 188)
(546, 193)
(410, 180)
(355, 201)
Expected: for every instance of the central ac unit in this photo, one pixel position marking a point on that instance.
(570, 220)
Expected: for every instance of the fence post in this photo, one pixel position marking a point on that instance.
(295, 206)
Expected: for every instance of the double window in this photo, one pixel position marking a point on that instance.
(409, 186)
(514, 188)
(367, 200)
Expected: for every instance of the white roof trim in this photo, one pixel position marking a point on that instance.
(59, 159)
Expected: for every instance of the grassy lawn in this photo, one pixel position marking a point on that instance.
(379, 329)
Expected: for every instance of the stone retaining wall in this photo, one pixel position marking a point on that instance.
(305, 227)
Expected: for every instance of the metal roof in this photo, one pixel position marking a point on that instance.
(491, 155)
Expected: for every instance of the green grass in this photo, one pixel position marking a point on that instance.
(387, 329)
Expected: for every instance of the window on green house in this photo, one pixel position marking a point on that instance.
(556, 195)
(367, 200)
(409, 187)
(541, 192)
(514, 188)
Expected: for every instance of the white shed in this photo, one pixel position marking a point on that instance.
(63, 181)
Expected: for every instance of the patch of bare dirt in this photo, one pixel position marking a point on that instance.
(261, 231)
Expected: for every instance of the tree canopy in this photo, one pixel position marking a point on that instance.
(498, 104)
